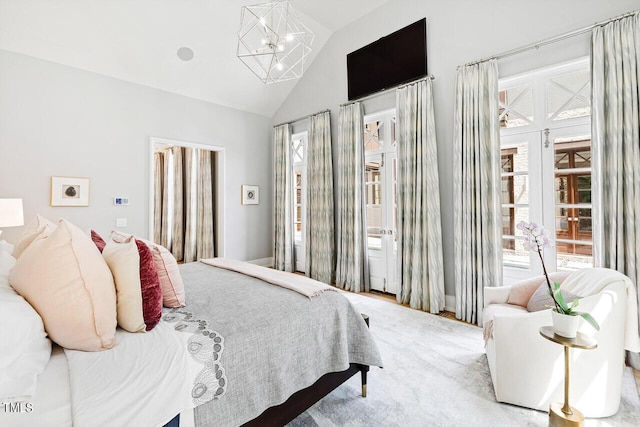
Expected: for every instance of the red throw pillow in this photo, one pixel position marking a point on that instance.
(99, 241)
(150, 286)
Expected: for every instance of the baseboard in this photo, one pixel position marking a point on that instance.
(450, 303)
(264, 262)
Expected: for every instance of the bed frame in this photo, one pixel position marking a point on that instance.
(303, 399)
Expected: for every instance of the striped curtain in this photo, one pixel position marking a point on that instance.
(283, 216)
(476, 188)
(419, 262)
(319, 234)
(204, 199)
(352, 270)
(190, 204)
(183, 202)
(177, 229)
(616, 149)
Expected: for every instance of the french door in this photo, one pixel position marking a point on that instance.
(380, 199)
(546, 178)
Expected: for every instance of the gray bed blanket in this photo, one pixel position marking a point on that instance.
(268, 342)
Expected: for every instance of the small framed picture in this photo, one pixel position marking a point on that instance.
(69, 191)
(250, 195)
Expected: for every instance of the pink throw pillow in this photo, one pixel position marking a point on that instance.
(65, 278)
(521, 292)
(170, 278)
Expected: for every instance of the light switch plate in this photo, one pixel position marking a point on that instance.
(121, 222)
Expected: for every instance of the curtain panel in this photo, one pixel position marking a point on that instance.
(183, 202)
(190, 204)
(283, 238)
(420, 270)
(616, 149)
(319, 233)
(205, 247)
(177, 229)
(476, 190)
(352, 271)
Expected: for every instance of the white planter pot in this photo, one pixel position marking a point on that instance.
(565, 325)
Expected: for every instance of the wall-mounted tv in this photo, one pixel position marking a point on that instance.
(392, 60)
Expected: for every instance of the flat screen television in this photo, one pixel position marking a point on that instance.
(392, 60)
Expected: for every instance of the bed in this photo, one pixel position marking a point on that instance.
(241, 352)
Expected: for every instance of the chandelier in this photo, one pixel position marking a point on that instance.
(273, 42)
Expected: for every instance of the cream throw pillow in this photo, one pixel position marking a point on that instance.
(66, 280)
(124, 262)
(173, 294)
(39, 225)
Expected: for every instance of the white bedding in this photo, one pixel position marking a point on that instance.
(155, 385)
(51, 404)
(111, 395)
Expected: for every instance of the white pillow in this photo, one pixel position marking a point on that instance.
(25, 346)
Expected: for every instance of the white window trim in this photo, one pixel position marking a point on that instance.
(538, 206)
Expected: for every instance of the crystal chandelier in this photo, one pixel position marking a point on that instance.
(273, 42)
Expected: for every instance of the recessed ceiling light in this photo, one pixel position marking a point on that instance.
(185, 53)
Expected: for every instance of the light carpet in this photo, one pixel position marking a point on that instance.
(435, 374)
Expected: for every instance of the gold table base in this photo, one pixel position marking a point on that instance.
(558, 418)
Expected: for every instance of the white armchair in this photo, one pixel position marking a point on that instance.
(528, 370)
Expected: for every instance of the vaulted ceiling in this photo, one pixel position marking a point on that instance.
(138, 40)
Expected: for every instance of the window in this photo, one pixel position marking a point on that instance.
(299, 155)
(546, 166)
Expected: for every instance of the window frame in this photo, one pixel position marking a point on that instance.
(541, 160)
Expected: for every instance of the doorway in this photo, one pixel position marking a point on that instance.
(380, 199)
(183, 217)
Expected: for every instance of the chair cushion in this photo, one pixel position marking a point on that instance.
(541, 300)
(521, 292)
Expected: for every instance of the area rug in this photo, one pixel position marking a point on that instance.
(435, 374)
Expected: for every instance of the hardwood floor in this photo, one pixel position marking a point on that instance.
(452, 316)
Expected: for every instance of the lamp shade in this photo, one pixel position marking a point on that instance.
(11, 213)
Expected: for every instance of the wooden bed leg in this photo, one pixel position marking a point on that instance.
(364, 368)
(363, 376)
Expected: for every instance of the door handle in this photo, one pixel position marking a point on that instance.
(383, 232)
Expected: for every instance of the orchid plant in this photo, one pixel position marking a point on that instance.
(536, 238)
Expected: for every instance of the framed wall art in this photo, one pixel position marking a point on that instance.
(250, 195)
(69, 191)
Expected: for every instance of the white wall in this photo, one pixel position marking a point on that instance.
(60, 121)
(457, 32)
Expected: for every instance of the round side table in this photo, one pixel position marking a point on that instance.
(564, 414)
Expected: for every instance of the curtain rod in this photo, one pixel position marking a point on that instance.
(373, 95)
(550, 40)
(302, 118)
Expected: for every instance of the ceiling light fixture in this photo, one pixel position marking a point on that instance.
(273, 42)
